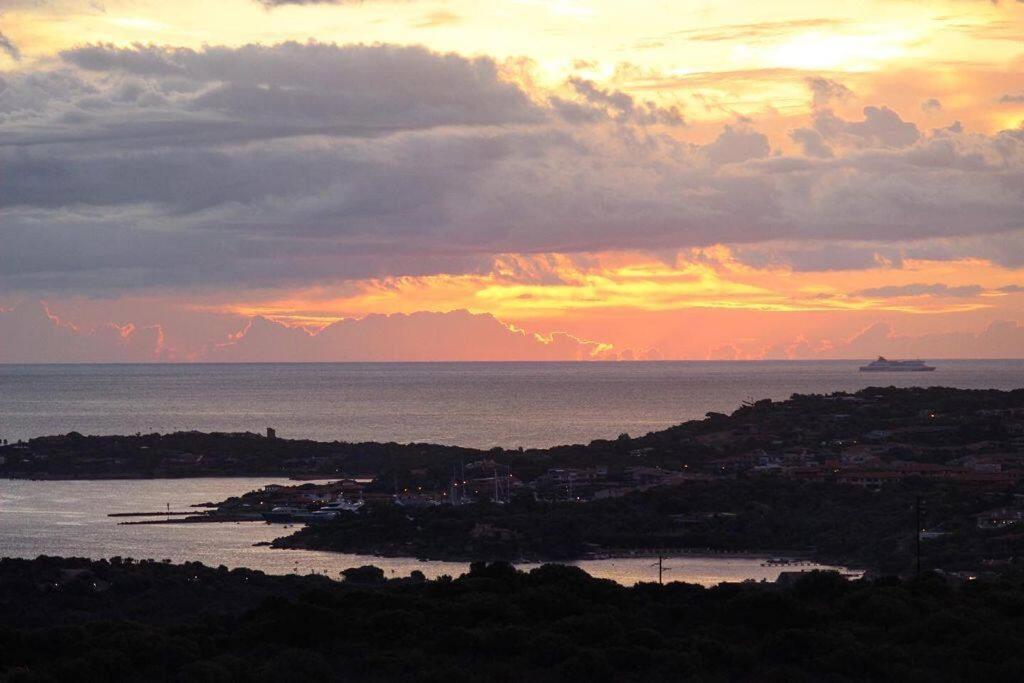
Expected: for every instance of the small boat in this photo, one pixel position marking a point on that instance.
(885, 365)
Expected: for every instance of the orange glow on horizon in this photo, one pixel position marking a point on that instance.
(553, 285)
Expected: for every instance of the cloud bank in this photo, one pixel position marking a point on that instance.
(1001, 339)
(452, 336)
(29, 333)
(129, 168)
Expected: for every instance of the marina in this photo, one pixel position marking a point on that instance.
(72, 518)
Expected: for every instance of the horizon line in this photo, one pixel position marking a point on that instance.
(496, 362)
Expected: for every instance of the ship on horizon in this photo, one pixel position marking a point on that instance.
(885, 365)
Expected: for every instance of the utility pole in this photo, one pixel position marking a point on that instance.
(917, 532)
(661, 568)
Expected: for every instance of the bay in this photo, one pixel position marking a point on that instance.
(70, 519)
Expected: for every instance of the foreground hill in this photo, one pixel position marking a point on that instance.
(66, 619)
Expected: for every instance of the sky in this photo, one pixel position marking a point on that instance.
(292, 180)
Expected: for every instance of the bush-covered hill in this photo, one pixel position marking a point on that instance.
(93, 621)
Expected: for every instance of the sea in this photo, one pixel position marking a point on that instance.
(468, 404)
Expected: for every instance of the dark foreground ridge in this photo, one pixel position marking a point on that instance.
(71, 619)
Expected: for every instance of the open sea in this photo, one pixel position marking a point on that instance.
(466, 404)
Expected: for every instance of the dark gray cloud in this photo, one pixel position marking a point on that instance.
(736, 144)
(1012, 98)
(881, 127)
(811, 142)
(819, 257)
(920, 289)
(1005, 249)
(623, 107)
(7, 46)
(302, 88)
(825, 90)
(591, 103)
(931, 104)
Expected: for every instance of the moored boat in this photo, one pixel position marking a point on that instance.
(332, 510)
(283, 514)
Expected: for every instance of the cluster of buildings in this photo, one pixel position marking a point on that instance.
(827, 445)
(859, 468)
(870, 464)
(596, 483)
(469, 484)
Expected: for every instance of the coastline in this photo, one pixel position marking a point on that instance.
(787, 557)
(770, 557)
(299, 478)
(831, 476)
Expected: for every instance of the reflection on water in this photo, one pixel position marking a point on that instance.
(69, 518)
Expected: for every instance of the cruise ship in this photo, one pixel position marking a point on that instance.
(885, 365)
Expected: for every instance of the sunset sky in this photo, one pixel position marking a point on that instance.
(239, 180)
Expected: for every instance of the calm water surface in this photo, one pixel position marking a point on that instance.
(69, 518)
(468, 404)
